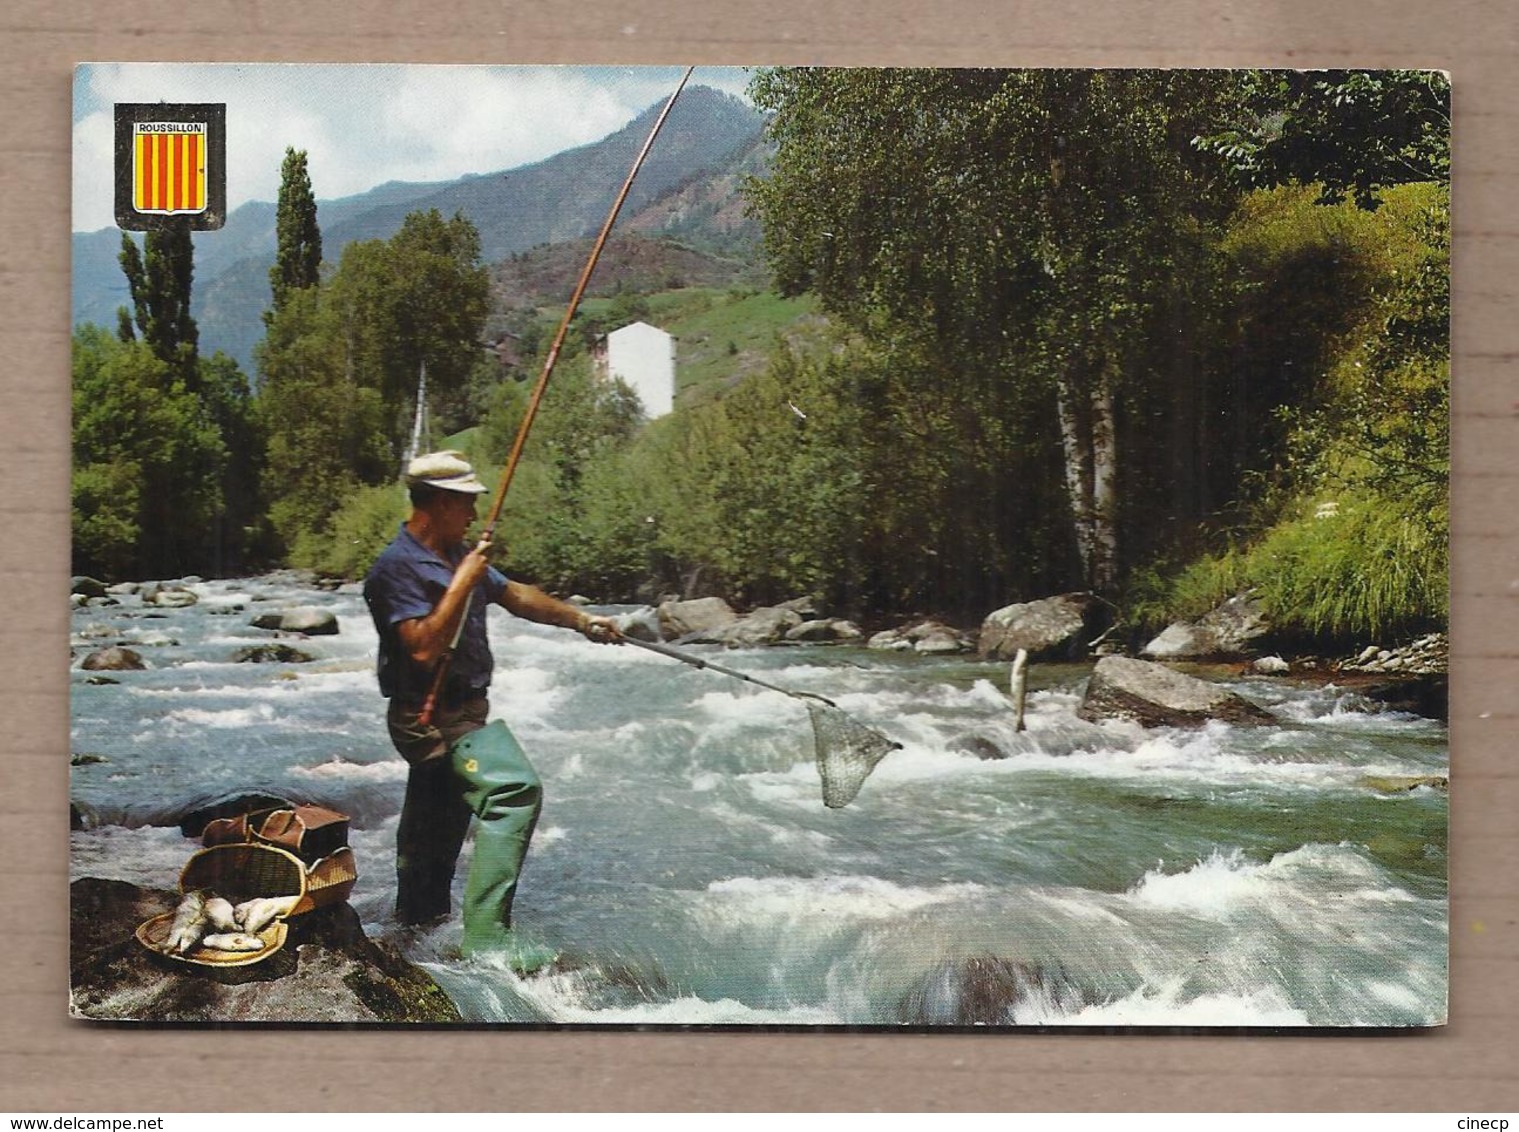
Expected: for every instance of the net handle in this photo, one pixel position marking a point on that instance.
(698, 662)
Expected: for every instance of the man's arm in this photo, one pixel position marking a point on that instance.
(426, 639)
(533, 604)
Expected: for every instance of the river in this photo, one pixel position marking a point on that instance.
(686, 868)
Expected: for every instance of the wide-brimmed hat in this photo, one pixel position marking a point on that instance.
(448, 470)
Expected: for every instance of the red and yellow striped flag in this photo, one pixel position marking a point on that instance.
(169, 167)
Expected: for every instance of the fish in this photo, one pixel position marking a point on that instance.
(256, 915)
(233, 941)
(220, 912)
(190, 923)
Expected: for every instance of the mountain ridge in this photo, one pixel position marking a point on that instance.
(560, 198)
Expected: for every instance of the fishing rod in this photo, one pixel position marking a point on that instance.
(430, 704)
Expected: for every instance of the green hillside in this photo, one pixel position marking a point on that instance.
(722, 335)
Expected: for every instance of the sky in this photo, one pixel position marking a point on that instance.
(364, 124)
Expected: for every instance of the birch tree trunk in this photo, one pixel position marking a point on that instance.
(1089, 440)
(1102, 569)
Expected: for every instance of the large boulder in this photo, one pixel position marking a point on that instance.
(700, 615)
(933, 637)
(1223, 633)
(87, 587)
(825, 631)
(167, 595)
(1155, 696)
(1053, 628)
(271, 654)
(113, 659)
(304, 619)
(765, 626)
(328, 971)
(641, 624)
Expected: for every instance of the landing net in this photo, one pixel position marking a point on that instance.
(847, 751)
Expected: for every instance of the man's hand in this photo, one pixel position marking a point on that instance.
(472, 566)
(602, 630)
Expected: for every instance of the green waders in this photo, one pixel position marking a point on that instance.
(502, 789)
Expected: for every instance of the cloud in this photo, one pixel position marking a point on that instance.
(365, 124)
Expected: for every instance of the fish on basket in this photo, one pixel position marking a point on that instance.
(233, 912)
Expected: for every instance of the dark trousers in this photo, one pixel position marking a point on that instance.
(435, 815)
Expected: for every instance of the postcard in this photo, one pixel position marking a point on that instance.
(787, 547)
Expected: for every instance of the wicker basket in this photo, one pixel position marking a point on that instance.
(236, 872)
(329, 881)
(318, 837)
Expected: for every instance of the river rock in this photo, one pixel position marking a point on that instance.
(1427, 656)
(808, 607)
(1155, 696)
(700, 615)
(891, 639)
(124, 589)
(311, 621)
(1271, 666)
(193, 821)
(78, 601)
(1052, 628)
(1402, 783)
(1425, 694)
(271, 654)
(988, 990)
(1225, 632)
(765, 626)
(167, 595)
(328, 971)
(640, 624)
(87, 586)
(824, 631)
(113, 659)
(924, 636)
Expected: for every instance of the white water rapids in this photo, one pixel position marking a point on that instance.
(685, 866)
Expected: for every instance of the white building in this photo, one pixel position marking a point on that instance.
(644, 357)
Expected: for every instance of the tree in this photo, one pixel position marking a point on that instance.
(340, 362)
(1028, 231)
(298, 250)
(160, 280)
(1353, 133)
(421, 297)
(147, 463)
(325, 426)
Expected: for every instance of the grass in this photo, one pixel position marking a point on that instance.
(1364, 569)
(723, 334)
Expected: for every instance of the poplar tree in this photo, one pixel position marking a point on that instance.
(160, 280)
(298, 256)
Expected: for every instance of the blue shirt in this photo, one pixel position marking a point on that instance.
(407, 581)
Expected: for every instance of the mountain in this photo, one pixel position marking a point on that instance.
(706, 144)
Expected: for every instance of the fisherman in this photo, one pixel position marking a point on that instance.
(420, 589)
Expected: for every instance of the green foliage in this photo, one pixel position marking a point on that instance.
(1353, 133)
(148, 464)
(567, 521)
(1044, 233)
(160, 279)
(298, 239)
(361, 525)
(1356, 568)
(340, 364)
(1383, 418)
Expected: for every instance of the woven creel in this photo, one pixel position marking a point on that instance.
(236, 872)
